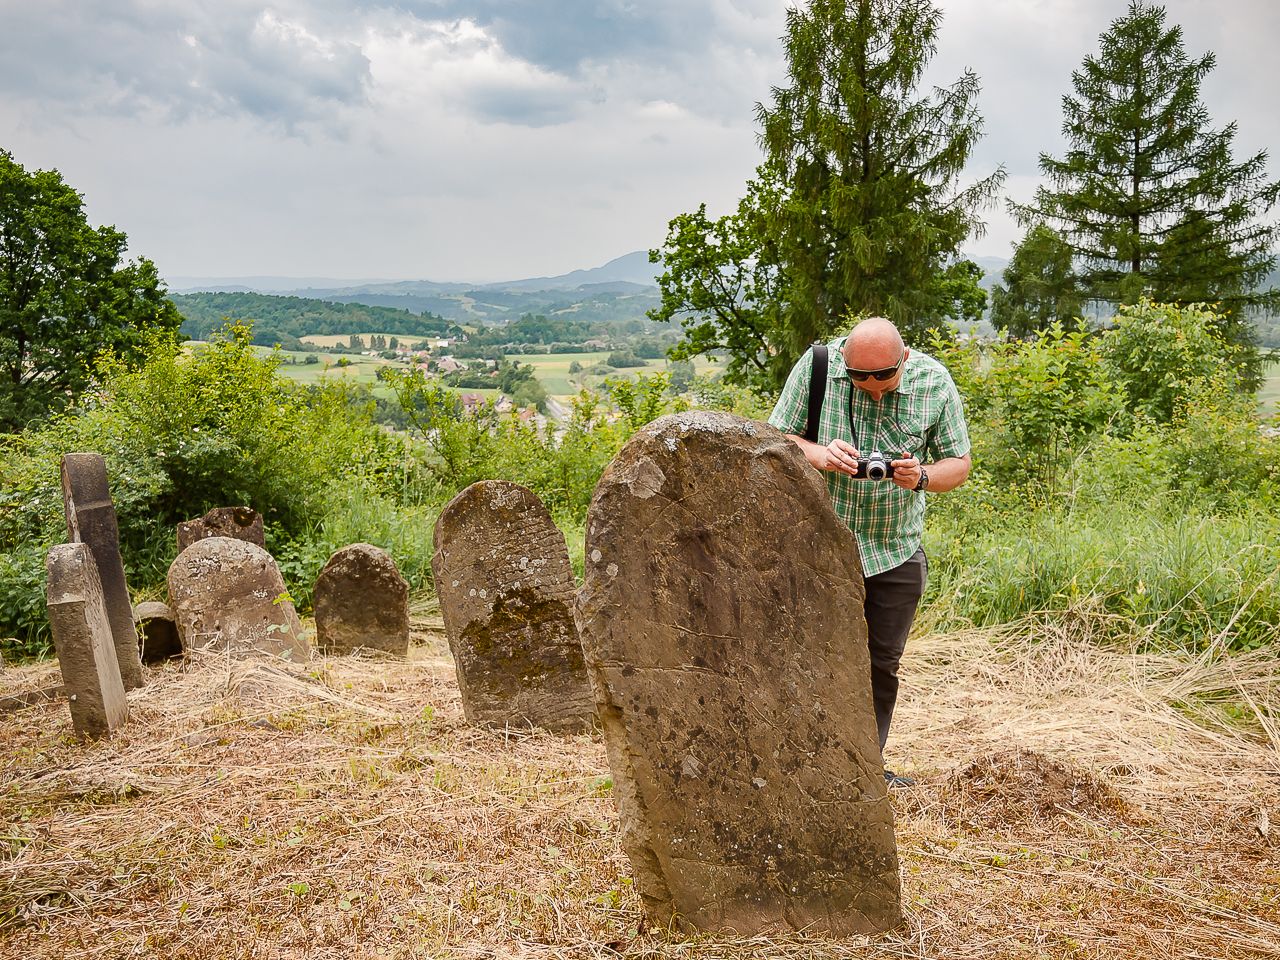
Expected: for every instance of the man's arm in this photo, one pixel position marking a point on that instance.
(839, 455)
(945, 474)
(842, 457)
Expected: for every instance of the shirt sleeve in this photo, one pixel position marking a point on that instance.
(950, 434)
(791, 412)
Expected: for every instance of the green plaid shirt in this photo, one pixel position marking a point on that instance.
(924, 416)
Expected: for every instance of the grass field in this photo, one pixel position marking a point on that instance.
(1269, 392)
(335, 339)
(553, 370)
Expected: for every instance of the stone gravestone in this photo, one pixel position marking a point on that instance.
(228, 595)
(362, 602)
(238, 523)
(721, 621)
(83, 639)
(91, 520)
(158, 632)
(506, 587)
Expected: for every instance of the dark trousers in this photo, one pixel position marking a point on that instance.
(892, 598)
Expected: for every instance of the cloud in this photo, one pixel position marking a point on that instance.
(179, 59)
(291, 63)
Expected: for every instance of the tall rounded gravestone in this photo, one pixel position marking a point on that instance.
(721, 621)
(505, 584)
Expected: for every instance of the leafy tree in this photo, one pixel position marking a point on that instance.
(65, 295)
(1159, 351)
(1148, 196)
(682, 375)
(1041, 286)
(723, 282)
(857, 208)
(625, 358)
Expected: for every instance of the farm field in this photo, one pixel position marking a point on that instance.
(1269, 392)
(344, 339)
(553, 369)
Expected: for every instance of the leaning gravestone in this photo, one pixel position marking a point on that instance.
(362, 602)
(91, 520)
(228, 596)
(505, 584)
(157, 631)
(238, 523)
(721, 621)
(83, 639)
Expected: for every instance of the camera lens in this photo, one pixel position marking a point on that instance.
(875, 470)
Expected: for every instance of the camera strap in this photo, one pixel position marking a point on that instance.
(817, 391)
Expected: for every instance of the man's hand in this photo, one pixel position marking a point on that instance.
(838, 456)
(906, 472)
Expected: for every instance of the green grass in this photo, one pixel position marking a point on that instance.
(1182, 580)
(1269, 392)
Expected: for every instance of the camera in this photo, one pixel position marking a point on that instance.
(873, 467)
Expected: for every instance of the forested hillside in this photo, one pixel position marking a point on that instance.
(283, 319)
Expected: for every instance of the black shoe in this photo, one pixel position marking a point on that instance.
(896, 781)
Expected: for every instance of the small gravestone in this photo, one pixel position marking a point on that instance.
(238, 523)
(362, 602)
(228, 596)
(83, 640)
(721, 621)
(91, 520)
(506, 587)
(157, 632)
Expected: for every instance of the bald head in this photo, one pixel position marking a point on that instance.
(874, 344)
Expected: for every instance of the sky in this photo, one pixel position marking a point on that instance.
(482, 140)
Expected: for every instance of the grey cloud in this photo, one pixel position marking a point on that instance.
(523, 107)
(563, 35)
(182, 59)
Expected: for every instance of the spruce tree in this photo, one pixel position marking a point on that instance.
(1040, 287)
(1148, 196)
(873, 213)
(856, 209)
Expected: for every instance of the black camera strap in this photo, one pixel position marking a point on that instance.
(817, 391)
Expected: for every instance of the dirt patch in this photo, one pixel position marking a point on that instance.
(1021, 786)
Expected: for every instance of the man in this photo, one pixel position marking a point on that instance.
(881, 396)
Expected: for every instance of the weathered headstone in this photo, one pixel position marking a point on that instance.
(362, 602)
(83, 639)
(228, 595)
(721, 621)
(91, 520)
(157, 631)
(505, 584)
(238, 523)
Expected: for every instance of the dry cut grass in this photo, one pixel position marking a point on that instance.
(1074, 801)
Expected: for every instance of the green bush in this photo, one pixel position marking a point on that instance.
(182, 433)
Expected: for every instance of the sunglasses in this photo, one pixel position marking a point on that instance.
(886, 374)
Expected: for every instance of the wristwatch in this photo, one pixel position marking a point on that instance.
(923, 482)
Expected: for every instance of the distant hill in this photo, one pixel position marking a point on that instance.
(287, 319)
(600, 294)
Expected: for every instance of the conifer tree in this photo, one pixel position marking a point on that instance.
(873, 210)
(1148, 196)
(1039, 286)
(857, 207)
